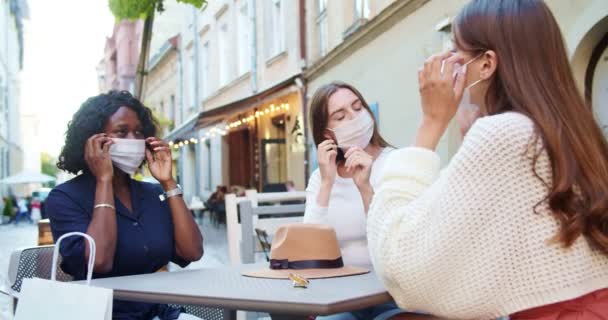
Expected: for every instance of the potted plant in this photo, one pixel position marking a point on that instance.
(8, 211)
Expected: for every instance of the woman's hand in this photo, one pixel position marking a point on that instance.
(440, 95)
(360, 164)
(327, 151)
(97, 156)
(159, 159)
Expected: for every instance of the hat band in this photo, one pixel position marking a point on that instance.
(306, 264)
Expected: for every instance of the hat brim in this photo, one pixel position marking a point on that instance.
(306, 273)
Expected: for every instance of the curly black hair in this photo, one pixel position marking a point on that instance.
(91, 119)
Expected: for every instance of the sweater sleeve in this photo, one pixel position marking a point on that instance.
(314, 213)
(407, 174)
(426, 234)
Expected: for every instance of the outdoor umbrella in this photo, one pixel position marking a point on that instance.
(27, 176)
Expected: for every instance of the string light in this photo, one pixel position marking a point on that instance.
(222, 131)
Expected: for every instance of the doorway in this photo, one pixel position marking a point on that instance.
(240, 155)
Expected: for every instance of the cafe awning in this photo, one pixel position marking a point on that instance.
(184, 131)
(216, 115)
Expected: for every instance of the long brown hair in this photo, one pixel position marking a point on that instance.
(319, 115)
(534, 78)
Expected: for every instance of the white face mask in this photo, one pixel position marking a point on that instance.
(467, 112)
(357, 132)
(128, 154)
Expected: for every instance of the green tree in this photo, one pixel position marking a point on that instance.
(165, 124)
(48, 164)
(140, 9)
(143, 9)
(8, 208)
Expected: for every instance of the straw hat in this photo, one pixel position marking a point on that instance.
(310, 250)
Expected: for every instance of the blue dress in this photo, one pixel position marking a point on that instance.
(145, 241)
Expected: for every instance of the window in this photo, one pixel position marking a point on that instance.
(361, 9)
(244, 34)
(2, 100)
(275, 32)
(223, 56)
(322, 27)
(192, 80)
(205, 69)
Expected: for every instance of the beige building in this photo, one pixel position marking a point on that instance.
(12, 16)
(378, 45)
(243, 97)
(161, 87)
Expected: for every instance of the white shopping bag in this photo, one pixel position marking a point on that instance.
(50, 299)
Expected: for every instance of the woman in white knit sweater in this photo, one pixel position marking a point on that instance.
(517, 224)
(350, 152)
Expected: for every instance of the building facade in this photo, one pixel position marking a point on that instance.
(117, 69)
(244, 72)
(12, 14)
(378, 45)
(161, 86)
(242, 64)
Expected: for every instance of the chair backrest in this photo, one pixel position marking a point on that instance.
(264, 243)
(233, 225)
(33, 262)
(208, 313)
(247, 212)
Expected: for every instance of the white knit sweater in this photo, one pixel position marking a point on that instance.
(468, 244)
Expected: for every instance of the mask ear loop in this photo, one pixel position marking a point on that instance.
(466, 64)
(474, 83)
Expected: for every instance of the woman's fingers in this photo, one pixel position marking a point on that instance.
(421, 78)
(149, 156)
(106, 145)
(326, 146)
(90, 144)
(157, 143)
(459, 85)
(98, 144)
(448, 67)
(162, 153)
(352, 150)
(438, 63)
(332, 155)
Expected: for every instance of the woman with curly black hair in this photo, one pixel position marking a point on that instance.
(137, 227)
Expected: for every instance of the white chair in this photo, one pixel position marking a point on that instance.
(233, 225)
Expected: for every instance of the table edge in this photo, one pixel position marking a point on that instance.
(289, 308)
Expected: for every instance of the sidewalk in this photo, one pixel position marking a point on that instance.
(26, 235)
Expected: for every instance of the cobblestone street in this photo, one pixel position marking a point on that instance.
(25, 235)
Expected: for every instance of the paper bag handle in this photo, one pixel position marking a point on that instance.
(91, 255)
